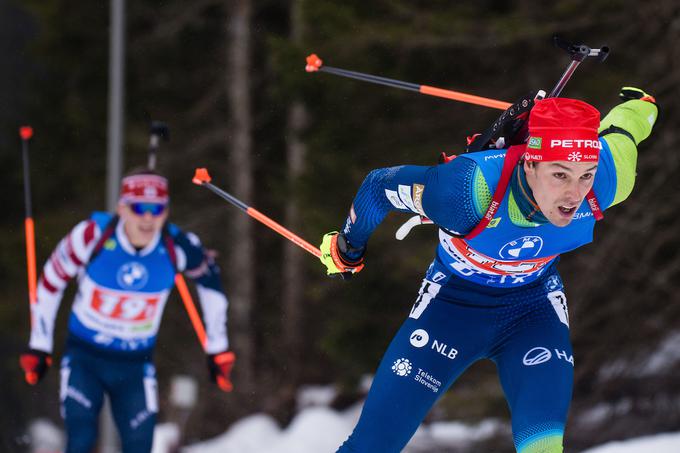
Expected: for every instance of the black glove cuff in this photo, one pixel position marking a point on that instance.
(350, 255)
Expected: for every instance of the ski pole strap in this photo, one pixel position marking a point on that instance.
(169, 243)
(107, 232)
(512, 156)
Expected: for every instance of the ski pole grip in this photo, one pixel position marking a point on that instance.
(579, 52)
(602, 54)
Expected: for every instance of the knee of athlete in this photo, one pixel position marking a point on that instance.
(81, 441)
(140, 439)
(540, 441)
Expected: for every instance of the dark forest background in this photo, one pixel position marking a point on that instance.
(228, 77)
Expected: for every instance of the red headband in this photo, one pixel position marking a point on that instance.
(144, 188)
(563, 129)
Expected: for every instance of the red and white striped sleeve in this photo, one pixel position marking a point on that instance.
(67, 259)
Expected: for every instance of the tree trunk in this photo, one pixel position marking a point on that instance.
(293, 275)
(241, 244)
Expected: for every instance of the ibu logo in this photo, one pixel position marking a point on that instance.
(535, 142)
(132, 275)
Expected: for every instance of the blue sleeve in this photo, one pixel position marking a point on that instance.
(442, 193)
(606, 177)
(199, 266)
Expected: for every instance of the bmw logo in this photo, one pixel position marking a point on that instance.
(132, 275)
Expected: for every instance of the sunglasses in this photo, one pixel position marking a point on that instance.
(155, 209)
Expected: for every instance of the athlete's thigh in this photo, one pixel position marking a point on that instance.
(430, 350)
(81, 394)
(134, 404)
(536, 368)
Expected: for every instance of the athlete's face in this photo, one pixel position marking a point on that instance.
(142, 221)
(559, 187)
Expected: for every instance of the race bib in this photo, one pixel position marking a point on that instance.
(124, 307)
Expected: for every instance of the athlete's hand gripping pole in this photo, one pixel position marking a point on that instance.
(202, 178)
(315, 64)
(220, 364)
(339, 257)
(34, 363)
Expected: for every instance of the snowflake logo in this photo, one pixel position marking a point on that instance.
(402, 367)
(575, 156)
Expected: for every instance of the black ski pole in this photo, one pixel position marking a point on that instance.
(315, 64)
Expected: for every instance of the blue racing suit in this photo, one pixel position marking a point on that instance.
(497, 296)
(114, 321)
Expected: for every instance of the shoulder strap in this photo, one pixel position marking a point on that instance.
(107, 232)
(594, 205)
(110, 229)
(512, 157)
(169, 243)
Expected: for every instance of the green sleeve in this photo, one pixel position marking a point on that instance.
(637, 118)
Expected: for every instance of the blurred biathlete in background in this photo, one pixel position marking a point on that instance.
(125, 266)
(493, 290)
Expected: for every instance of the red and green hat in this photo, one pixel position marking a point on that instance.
(563, 129)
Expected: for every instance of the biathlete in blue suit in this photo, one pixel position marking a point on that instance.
(125, 267)
(493, 290)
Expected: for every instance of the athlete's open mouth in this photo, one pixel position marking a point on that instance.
(567, 209)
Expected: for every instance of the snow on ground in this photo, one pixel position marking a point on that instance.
(660, 443)
(316, 429)
(322, 430)
(319, 429)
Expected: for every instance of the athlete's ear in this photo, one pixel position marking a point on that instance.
(529, 167)
(121, 209)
